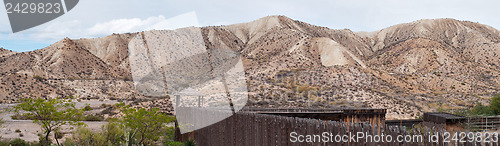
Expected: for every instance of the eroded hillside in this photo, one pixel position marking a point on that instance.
(408, 68)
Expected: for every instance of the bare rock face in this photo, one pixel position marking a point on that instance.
(408, 68)
(113, 49)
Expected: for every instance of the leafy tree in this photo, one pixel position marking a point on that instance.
(495, 105)
(481, 109)
(136, 127)
(146, 124)
(50, 114)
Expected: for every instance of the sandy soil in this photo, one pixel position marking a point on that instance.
(29, 130)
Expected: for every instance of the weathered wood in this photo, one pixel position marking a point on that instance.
(246, 128)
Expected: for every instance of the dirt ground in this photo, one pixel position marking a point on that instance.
(29, 131)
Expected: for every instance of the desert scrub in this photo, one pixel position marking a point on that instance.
(93, 118)
(87, 108)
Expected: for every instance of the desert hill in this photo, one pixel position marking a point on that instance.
(5, 52)
(407, 68)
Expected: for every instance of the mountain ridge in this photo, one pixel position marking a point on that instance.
(407, 68)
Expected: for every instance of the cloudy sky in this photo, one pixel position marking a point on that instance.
(98, 18)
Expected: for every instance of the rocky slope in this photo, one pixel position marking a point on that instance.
(410, 68)
(5, 52)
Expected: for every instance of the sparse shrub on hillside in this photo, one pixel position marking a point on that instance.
(39, 78)
(481, 110)
(302, 89)
(87, 108)
(93, 118)
(104, 105)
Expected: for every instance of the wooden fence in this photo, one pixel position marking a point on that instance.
(488, 123)
(252, 129)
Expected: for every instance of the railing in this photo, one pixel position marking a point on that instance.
(290, 110)
(483, 123)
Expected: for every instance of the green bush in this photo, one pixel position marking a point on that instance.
(87, 108)
(148, 124)
(69, 142)
(137, 126)
(93, 118)
(168, 139)
(58, 134)
(43, 141)
(189, 143)
(495, 105)
(19, 117)
(50, 114)
(18, 142)
(104, 105)
(39, 78)
(176, 143)
(173, 143)
(4, 143)
(481, 110)
(112, 131)
(110, 134)
(84, 136)
(170, 134)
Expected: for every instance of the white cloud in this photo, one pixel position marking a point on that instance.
(136, 24)
(75, 29)
(97, 18)
(57, 31)
(119, 25)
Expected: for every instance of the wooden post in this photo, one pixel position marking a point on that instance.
(177, 101)
(199, 101)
